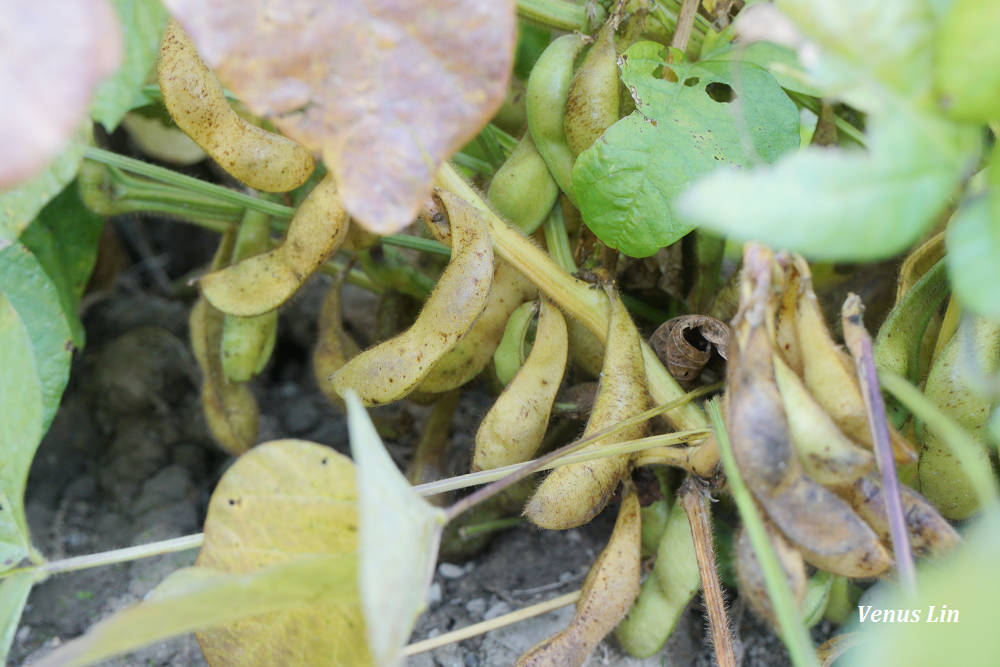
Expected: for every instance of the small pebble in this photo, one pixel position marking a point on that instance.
(498, 609)
(476, 607)
(434, 594)
(574, 536)
(450, 570)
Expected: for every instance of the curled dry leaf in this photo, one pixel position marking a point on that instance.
(685, 344)
(55, 53)
(331, 76)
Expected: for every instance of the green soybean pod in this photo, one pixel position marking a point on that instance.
(666, 591)
(592, 103)
(523, 191)
(247, 342)
(512, 350)
(943, 479)
(548, 87)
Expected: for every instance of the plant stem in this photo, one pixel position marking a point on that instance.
(692, 499)
(466, 532)
(578, 298)
(559, 14)
(416, 243)
(486, 626)
(860, 344)
(845, 128)
(685, 22)
(188, 182)
(160, 548)
(525, 469)
(793, 633)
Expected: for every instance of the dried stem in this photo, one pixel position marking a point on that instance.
(492, 624)
(860, 344)
(685, 22)
(692, 498)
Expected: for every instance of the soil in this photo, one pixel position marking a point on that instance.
(129, 460)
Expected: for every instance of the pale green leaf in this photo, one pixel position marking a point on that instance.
(715, 113)
(64, 238)
(35, 351)
(842, 204)
(400, 533)
(870, 53)
(967, 61)
(197, 597)
(973, 241)
(13, 594)
(20, 205)
(142, 25)
(956, 605)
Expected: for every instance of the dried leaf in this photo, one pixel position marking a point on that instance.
(55, 53)
(332, 75)
(685, 344)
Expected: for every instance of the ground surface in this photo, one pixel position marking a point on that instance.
(129, 461)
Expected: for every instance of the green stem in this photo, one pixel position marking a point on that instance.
(559, 14)
(173, 545)
(793, 632)
(578, 298)
(416, 243)
(188, 182)
(465, 532)
(473, 163)
(557, 240)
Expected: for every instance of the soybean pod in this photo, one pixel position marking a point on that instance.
(522, 190)
(548, 87)
(514, 427)
(592, 101)
(394, 368)
(247, 342)
(264, 282)
(195, 99)
(573, 494)
(666, 591)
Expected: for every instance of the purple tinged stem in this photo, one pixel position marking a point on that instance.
(860, 345)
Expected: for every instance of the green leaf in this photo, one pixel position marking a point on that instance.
(967, 61)
(35, 350)
(973, 242)
(142, 25)
(20, 205)
(13, 594)
(626, 182)
(840, 204)
(197, 597)
(64, 238)
(400, 534)
(871, 53)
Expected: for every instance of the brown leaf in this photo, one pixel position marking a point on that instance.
(685, 344)
(385, 91)
(54, 54)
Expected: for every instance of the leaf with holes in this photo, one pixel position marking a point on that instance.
(400, 534)
(35, 351)
(711, 113)
(385, 91)
(55, 52)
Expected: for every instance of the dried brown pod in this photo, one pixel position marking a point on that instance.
(685, 344)
(930, 534)
(751, 577)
